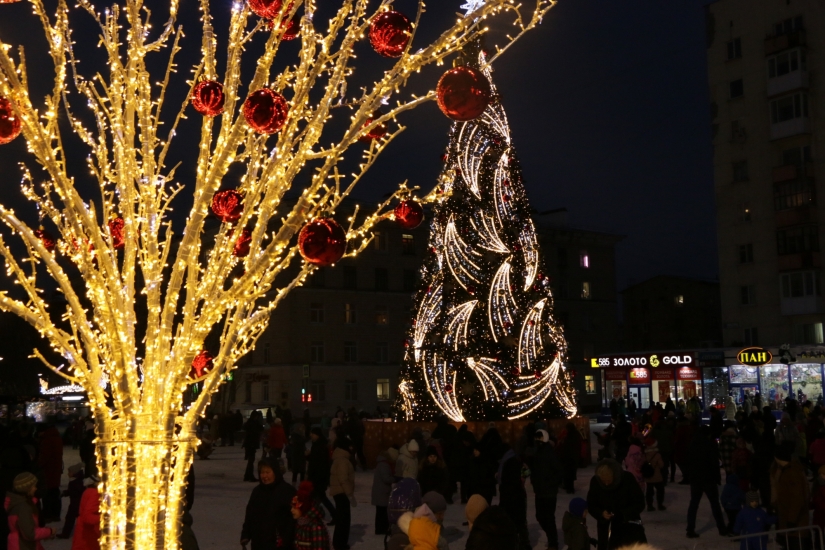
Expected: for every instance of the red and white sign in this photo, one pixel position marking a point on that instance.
(687, 373)
(615, 374)
(663, 374)
(639, 376)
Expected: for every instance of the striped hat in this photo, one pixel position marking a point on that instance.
(751, 496)
(23, 482)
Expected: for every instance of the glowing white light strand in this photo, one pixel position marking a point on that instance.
(462, 265)
(458, 319)
(530, 249)
(502, 308)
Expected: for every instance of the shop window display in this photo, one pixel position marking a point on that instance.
(740, 374)
(774, 385)
(806, 380)
(716, 386)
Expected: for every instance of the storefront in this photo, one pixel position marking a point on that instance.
(710, 375)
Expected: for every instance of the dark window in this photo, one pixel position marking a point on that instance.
(382, 352)
(350, 352)
(793, 194)
(318, 390)
(350, 315)
(740, 170)
(810, 333)
(795, 240)
(789, 108)
(563, 318)
(382, 279)
(562, 257)
(737, 89)
(746, 212)
(735, 48)
(318, 279)
(350, 277)
(316, 313)
(745, 253)
(801, 284)
(746, 295)
(786, 62)
(351, 390)
(787, 26)
(796, 155)
(266, 352)
(751, 337)
(316, 352)
(381, 241)
(407, 244)
(409, 280)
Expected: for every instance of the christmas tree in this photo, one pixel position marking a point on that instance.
(483, 343)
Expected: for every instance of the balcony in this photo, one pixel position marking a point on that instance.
(792, 127)
(774, 44)
(789, 172)
(795, 80)
(801, 306)
(796, 216)
(803, 260)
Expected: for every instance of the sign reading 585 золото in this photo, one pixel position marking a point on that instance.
(678, 359)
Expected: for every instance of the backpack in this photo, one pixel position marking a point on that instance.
(647, 470)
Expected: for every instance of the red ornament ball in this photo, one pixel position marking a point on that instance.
(49, 242)
(515, 371)
(10, 124)
(268, 9)
(293, 29)
(116, 229)
(448, 388)
(241, 249)
(409, 214)
(201, 364)
(227, 205)
(390, 33)
(463, 93)
(266, 111)
(538, 374)
(322, 242)
(208, 98)
(377, 132)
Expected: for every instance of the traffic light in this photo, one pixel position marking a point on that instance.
(306, 397)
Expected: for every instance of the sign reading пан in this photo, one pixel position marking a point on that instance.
(754, 357)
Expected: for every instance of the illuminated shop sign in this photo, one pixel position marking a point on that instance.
(639, 376)
(653, 360)
(687, 373)
(754, 357)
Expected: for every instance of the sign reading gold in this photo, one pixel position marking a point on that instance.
(754, 357)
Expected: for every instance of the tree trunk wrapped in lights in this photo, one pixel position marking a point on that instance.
(107, 251)
(483, 343)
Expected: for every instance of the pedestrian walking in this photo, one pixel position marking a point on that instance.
(653, 471)
(25, 532)
(616, 502)
(276, 441)
(297, 453)
(571, 449)
(546, 475)
(50, 461)
(75, 493)
(733, 499)
(268, 522)
(432, 473)
(407, 463)
(513, 497)
(702, 463)
(87, 528)
(251, 443)
(382, 481)
(318, 465)
(342, 491)
(574, 526)
(789, 496)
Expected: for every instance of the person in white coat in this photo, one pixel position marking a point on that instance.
(730, 407)
(407, 463)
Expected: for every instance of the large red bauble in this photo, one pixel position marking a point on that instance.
(241, 249)
(409, 214)
(201, 364)
(390, 32)
(266, 111)
(377, 132)
(208, 98)
(268, 9)
(227, 205)
(46, 239)
(463, 93)
(116, 229)
(448, 388)
(292, 26)
(322, 242)
(10, 123)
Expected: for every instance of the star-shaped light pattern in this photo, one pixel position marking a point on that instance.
(472, 5)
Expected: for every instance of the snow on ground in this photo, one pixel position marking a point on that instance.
(221, 496)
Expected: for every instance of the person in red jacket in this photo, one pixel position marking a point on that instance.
(276, 440)
(50, 460)
(87, 528)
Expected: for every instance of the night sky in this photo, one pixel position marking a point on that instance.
(609, 111)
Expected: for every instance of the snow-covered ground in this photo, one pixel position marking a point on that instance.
(221, 496)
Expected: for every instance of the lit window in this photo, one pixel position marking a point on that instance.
(349, 314)
(383, 389)
(589, 384)
(316, 313)
(382, 315)
(585, 290)
(679, 300)
(584, 259)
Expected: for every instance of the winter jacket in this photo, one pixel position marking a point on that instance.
(434, 477)
(297, 448)
(702, 461)
(732, 497)
(50, 457)
(788, 432)
(276, 438)
(817, 451)
(75, 493)
(406, 465)
(633, 463)
(24, 533)
(753, 520)
(493, 530)
(730, 408)
(252, 434)
(87, 528)
(318, 465)
(481, 477)
(727, 445)
(424, 534)
(342, 474)
(789, 494)
(513, 497)
(575, 532)
(654, 458)
(382, 480)
(663, 434)
(546, 472)
(818, 502)
(310, 531)
(623, 498)
(268, 521)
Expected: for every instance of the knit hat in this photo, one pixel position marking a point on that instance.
(23, 482)
(431, 450)
(543, 435)
(475, 506)
(435, 501)
(751, 496)
(75, 469)
(303, 498)
(412, 446)
(578, 506)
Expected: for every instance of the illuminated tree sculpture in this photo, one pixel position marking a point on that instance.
(483, 343)
(141, 301)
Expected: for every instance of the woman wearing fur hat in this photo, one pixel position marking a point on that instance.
(310, 531)
(21, 508)
(432, 474)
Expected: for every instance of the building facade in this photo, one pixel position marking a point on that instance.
(762, 67)
(667, 312)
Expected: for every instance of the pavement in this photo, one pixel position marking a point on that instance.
(221, 497)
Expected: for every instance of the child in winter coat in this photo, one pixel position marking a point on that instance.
(87, 528)
(74, 492)
(733, 498)
(655, 481)
(753, 519)
(574, 525)
(633, 462)
(818, 497)
(310, 531)
(21, 508)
